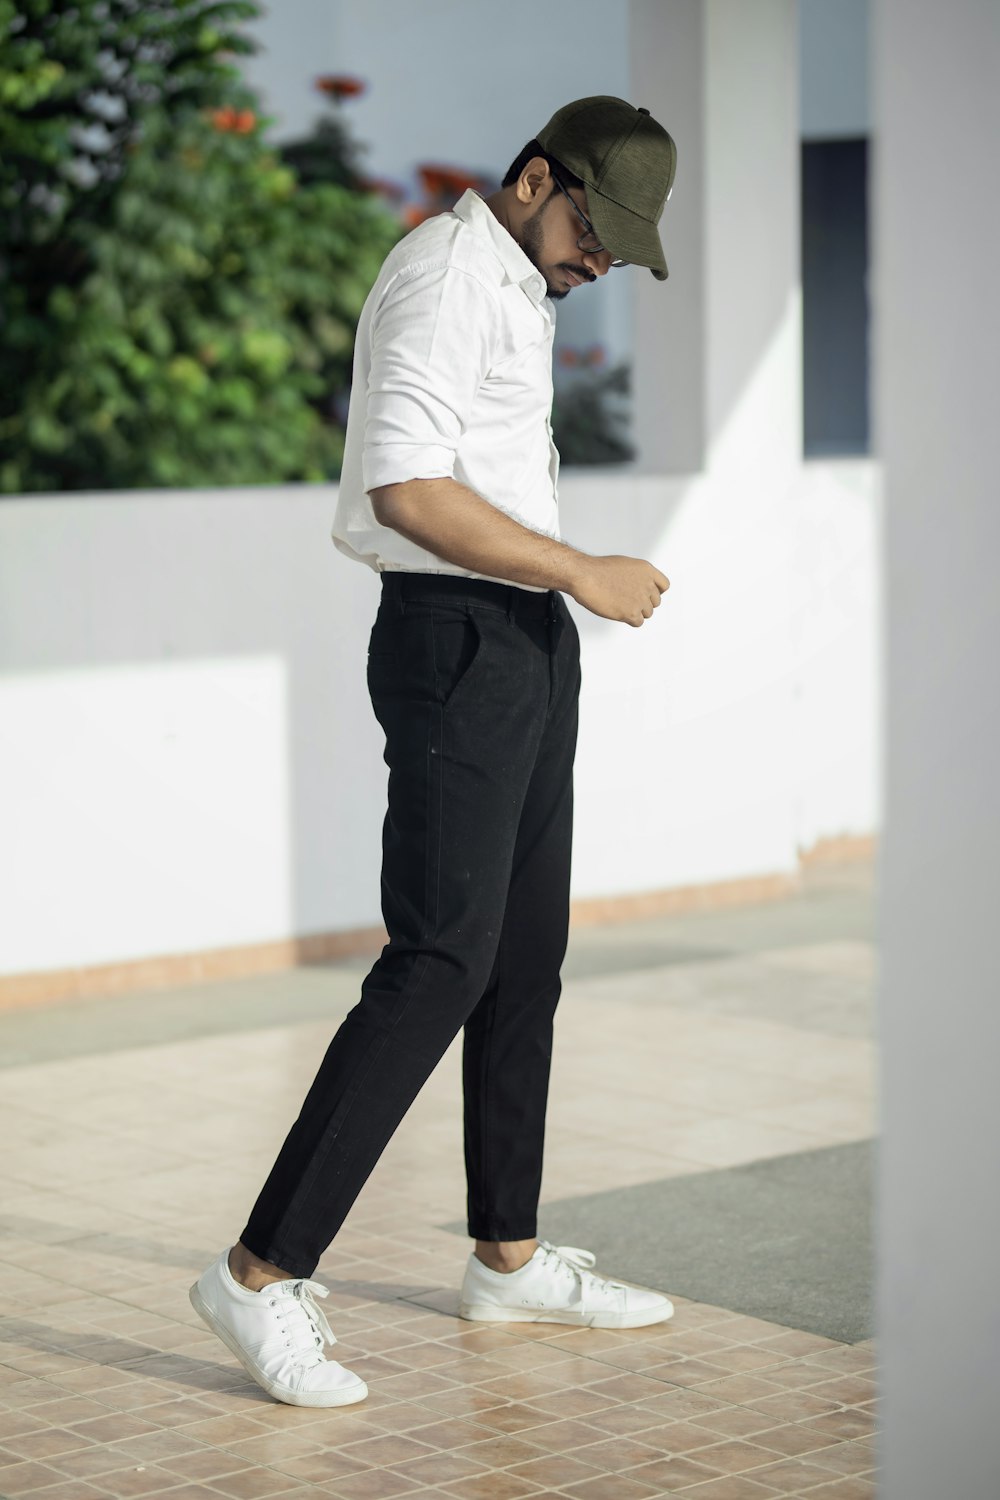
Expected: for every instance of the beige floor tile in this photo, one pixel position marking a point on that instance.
(205, 1463)
(794, 1439)
(502, 1450)
(137, 1480)
(443, 1468)
(848, 1423)
(672, 1472)
(45, 1444)
(567, 1435)
(558, 1469)
(499, 1485)
(845, 1458)
(273, 1448)
(792, 1476)
(612, 1487)
(613, 1454)
(325, 1466)
(793, 1406)
(731, 1421)
(849, 1390)
(249, 1484)
(860, 1487)
(683, 1437)
(374, 1484)
(679, 1405)
(729, 1487)
(741, 1390)
(735, 1456)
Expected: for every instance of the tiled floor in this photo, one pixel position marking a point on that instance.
(127, 1167)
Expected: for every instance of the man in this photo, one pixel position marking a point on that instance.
(449, 491)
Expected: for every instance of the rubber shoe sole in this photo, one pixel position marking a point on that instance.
(485, 1313)
(347, 1397)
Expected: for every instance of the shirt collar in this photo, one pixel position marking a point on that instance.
(476, 212)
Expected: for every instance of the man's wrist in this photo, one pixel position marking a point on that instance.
(570, 570)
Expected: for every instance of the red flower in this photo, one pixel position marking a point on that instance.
(242, 121)
(445, 181)
(392, 190)
(224, 119)
(340, 85)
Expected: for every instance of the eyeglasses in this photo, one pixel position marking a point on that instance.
(596, 247)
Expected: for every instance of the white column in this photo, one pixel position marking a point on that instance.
(666, 63)
(718, 346)
(937, 239)
(753, 327)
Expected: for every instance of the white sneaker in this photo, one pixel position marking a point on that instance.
(557, 1286)
(277, 1334)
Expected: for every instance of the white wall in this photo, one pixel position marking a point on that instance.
(296, 42)
(837, 592)
(937, 335)
(188, 758)
(187, 755)
(833, 58)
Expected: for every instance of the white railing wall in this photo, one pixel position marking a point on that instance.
(188, 758)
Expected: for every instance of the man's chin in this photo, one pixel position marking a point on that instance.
(557, 293)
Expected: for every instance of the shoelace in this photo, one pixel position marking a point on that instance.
(304, 1293)
(578, 1263)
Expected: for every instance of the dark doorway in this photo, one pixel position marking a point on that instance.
(834, 297)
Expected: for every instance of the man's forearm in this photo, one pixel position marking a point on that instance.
(461, 527)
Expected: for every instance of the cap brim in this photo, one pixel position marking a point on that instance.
(627, 235)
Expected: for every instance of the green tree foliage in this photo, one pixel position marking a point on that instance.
(176, 307)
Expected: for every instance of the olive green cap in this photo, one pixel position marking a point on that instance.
(627, 161)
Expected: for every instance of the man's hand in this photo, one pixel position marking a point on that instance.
(618, 588)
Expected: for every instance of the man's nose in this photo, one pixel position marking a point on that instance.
(598, 262)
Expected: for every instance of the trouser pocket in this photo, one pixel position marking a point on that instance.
(427, 654)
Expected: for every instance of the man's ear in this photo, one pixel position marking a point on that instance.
(531, 183)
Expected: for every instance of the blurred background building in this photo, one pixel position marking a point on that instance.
(191, 731)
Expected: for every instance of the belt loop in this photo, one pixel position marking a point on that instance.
(510, 605)
(553, 610)
(400, 594)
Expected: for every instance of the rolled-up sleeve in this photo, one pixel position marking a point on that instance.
(433, 338)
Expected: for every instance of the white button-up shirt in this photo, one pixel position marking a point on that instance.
(452, 378)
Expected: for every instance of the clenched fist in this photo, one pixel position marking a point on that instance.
(619, 588)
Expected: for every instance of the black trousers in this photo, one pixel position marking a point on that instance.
(476, 685)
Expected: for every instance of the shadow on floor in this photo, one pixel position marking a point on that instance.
(787, 1239)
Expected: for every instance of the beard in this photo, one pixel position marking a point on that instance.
(531, 244)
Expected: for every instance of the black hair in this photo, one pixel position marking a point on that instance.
(534, 149)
